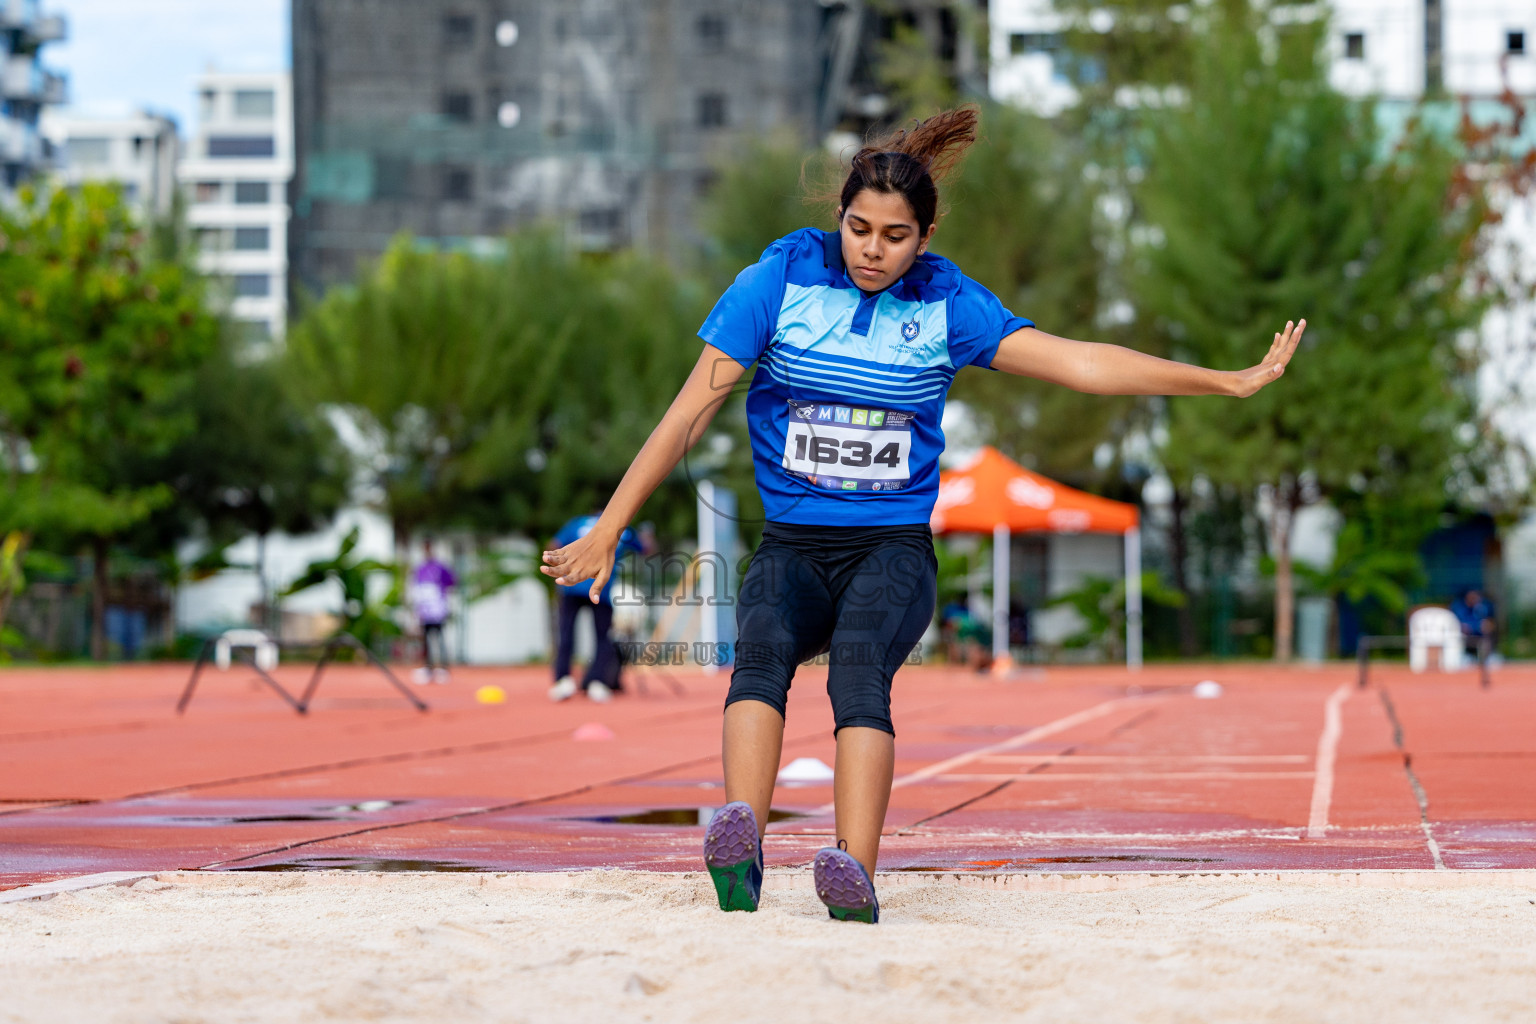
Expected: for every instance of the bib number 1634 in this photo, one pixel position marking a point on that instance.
(850, 452)
(847, 453)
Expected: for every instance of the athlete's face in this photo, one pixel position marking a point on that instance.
(880, 238)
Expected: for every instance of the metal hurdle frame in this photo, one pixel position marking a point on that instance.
(1370, 643)
(301, 704)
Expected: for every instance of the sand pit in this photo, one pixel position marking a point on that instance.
(628, 946)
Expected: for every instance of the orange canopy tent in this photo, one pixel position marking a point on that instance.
(990, 493)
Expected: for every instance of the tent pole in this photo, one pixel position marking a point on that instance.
(1001, 660)
(1133, 598)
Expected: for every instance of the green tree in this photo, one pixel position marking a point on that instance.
(1100, 602)
(1022, 222)
(496, 393)
(772, 188)
(259, 461)
(100, 340)
(1270, 196)
(369, 621)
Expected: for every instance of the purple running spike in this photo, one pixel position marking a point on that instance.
(731, 837)
(734, 856)
(845, 887)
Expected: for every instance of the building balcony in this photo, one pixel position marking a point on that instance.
(51, 28)
(26, 17)
(19, 143)
(22, 78)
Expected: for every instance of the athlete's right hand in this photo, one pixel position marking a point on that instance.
(586, 558)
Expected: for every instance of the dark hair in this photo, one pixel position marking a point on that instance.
(910, 163)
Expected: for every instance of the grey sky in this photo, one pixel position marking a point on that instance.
(125, 54)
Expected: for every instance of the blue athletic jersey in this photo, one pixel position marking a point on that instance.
(579, 527)
(845, 406)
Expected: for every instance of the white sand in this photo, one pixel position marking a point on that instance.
(623, 946)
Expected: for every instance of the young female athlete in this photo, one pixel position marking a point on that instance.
(856, 335)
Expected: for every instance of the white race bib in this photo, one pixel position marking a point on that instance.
(848, 447)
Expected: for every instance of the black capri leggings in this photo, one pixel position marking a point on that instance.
(862, 595)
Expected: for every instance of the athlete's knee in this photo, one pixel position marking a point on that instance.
(760, 684)
(776, 699)
(881, 722)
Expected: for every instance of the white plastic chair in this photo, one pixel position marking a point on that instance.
(1435, 627)
(264, 648)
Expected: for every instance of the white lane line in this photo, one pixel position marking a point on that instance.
(1121, 776)
(1023, 739)
(1141, 758)
(43, 890)
(1327, 754)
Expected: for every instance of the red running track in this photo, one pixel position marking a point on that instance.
(1065, 769)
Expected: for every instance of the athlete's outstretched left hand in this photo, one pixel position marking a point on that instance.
(1247, 382)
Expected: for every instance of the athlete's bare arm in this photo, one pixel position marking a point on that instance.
(591, 557)
(1100, 369)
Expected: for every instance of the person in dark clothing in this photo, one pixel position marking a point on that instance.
(602, 674)
(1475, 613)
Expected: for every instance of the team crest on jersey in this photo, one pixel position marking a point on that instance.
(910, 329)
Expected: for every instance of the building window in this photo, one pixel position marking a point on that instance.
(253, 239)
(458, 106)
(712, 32)
(712, 110)
(1354, 46)
(210, 239)
(253, 193)
(253, 286)
(209, 101)
(459, 31)
(603, 221)
(254, 332)
(241, 146)
(207, 192)
(255, 104)
(1020, 43)
(1514, 43)
(89, 152)
(458, 184)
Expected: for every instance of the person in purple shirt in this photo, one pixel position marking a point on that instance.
(430, 584)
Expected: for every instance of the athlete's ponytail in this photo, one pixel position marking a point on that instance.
(910, 162)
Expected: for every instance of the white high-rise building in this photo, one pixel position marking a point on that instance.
(236, 171)
(26, 87)
(138, 152)
(1395, 49)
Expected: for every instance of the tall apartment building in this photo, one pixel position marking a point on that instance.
(458, 120)
(1396, 49)
(138, 152)
(236, 170)
(26, 87)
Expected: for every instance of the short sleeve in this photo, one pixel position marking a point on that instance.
(978, 323)
(747, 315)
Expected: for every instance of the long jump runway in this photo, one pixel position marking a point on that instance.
(1057, 771)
